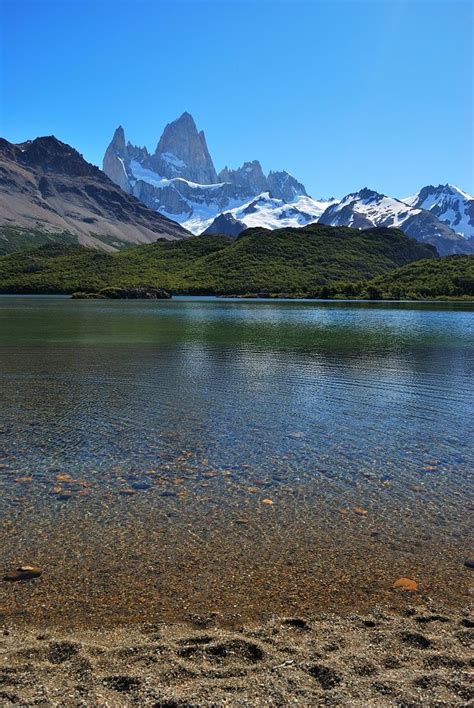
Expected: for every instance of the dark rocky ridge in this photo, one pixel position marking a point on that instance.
(225, 224)
(46, 184)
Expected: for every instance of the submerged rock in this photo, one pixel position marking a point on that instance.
(405, 584)
(24, 572)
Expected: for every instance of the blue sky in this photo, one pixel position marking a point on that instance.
(343, 93)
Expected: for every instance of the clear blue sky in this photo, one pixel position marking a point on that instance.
(342, 93)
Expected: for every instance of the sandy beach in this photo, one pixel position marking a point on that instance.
(418, 657)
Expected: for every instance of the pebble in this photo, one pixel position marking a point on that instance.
(469, 562)
(141, 486)
(24, 572)
(405, 584)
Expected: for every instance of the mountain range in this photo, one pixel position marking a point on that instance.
(179, 180)
(48, 192)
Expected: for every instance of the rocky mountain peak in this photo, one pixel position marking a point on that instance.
(444, 191)
(182, 152)
(450, 204)
(140, 154)
(368, 209)
(249, 177)
(50, 154)
(284, 186)
(367, 194)
(116, 159)
(118, 140)
(51, 187)
(186, 120)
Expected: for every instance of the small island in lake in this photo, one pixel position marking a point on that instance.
(141, 292)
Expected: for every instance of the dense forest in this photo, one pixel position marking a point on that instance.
(315, 261)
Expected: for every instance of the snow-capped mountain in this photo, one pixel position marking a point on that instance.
(270, 213)
(179, 181)
(367, 208)
(449, 204)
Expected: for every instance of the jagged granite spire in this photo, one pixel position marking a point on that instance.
(182, 152)
(116, 161)
(249, 177)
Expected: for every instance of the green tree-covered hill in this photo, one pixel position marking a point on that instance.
(451, 276)
(316, 261)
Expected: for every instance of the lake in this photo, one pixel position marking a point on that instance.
(233, 458)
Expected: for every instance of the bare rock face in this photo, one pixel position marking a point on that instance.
(249, 178)
(170, 199)
(116, 161)
(282, 185)
(182, 152)
(225, 224)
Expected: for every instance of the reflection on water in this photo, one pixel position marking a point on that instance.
(139, 440)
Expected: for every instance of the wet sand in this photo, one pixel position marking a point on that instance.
(418, 657)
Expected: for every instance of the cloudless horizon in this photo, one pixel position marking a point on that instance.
(342, 94)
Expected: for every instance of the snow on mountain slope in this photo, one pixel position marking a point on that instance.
(449, 204)
(192, 205)
(267, 212)
(367, 209)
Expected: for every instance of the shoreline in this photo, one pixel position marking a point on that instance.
(381, 658)
(250, 296)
